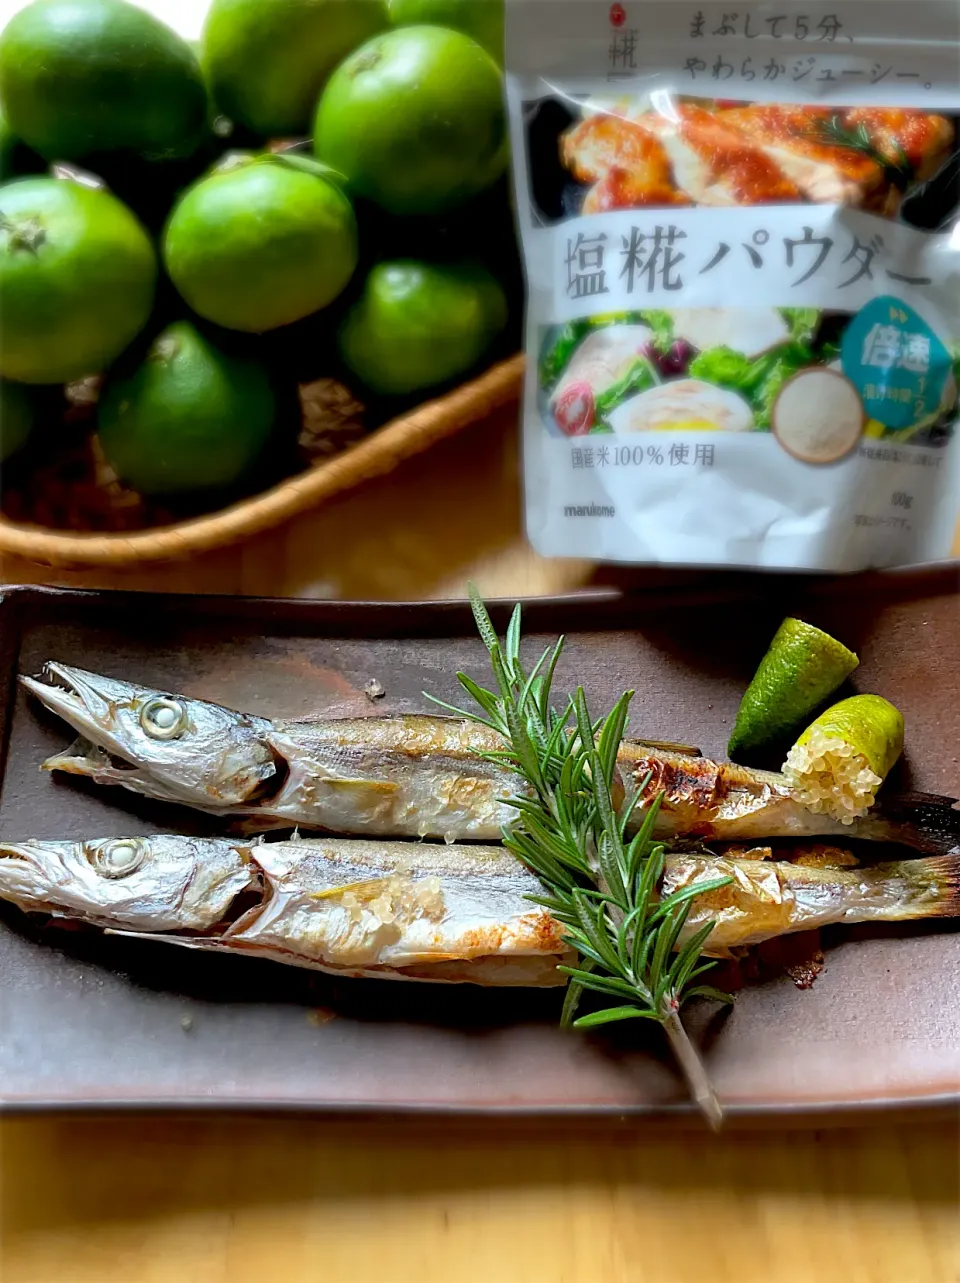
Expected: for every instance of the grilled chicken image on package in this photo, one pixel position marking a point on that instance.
(705, 153)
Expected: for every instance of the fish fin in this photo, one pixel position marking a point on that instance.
(166, 937)
(361, 786)
(928, 821)
(937, 881)
(666, 746)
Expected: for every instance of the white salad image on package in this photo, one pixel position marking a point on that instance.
(741, 233)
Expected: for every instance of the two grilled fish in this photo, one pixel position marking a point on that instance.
(417, 911)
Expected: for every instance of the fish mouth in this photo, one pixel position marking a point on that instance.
(18, 854)
(72, 694)
(25, 875)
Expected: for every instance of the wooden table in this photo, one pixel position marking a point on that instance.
(205, 1200)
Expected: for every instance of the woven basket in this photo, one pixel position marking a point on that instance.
(374, 455)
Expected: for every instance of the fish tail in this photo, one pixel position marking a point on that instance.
(932, 885)
(926, 821)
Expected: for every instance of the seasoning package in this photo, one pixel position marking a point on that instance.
(742, 249)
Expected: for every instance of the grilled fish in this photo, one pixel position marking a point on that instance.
(422, 912)
(408, 776)
(352, 908)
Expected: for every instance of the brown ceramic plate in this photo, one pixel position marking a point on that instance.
(96, 1021)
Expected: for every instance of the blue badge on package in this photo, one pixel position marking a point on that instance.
(898, 364)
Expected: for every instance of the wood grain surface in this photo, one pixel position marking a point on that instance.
(206, 1200)
(286, 1201)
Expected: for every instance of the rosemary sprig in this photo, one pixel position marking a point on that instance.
(898, 171)
(572, 831)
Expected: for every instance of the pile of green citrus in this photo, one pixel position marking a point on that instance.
(177, 222)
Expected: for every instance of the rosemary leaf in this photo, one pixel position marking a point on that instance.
(571, 999)
(484, 624)
(644, 834)
(527, 693)
(602, 984)
(651, 871)
(512, 639)
(686, 960)
(667, 906)
(661, 950)
(548, 681)
(627, 931)
(611, 869)
(613, 1013)
(708, 991)
(579, 942)
(486, 699)
(460, 712)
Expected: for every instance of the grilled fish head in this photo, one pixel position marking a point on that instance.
(160, 883)
(165, 746)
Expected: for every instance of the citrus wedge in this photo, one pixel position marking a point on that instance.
(802, 667)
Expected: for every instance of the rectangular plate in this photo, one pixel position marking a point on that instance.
(94, 1021)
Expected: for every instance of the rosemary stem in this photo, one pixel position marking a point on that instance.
(693, 1068)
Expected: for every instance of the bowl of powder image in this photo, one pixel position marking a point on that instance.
(818, 416)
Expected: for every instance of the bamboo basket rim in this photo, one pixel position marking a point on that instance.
(379, 453)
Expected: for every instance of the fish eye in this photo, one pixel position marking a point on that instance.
(162, 718)
(119, 858)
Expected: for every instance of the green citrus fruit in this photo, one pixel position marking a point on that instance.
(419, 324)
(18, 416)
(841, 759)
(189, 417)
(481, 19)
(414, 119)
(260, 245)
(267, 60)
(802, 666)
(16, 159)
(84, 78)
(77, 279)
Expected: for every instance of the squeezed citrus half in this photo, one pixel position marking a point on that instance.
(842, 758)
